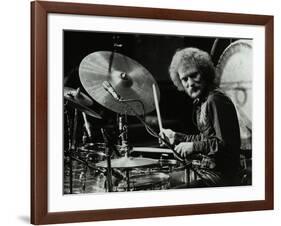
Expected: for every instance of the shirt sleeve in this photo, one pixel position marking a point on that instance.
(223, 130)
(181, 137)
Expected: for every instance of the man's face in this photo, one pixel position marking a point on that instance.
(192, 81)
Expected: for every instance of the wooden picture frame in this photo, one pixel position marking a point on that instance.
(39, 112)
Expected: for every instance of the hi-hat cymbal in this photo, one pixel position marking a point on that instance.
(130, 80)
(128, 162)
(80, 101)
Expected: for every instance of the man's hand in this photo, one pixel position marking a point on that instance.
(184, 149)
(168, 135)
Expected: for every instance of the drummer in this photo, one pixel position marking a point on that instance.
(217, 144)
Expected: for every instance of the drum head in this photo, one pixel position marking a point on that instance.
(234, 74)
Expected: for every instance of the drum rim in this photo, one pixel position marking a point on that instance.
(227, 53)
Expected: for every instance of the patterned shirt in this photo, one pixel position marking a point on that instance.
(218, 141)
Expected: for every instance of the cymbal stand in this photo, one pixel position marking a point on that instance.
(123, 134)
(66, 112)
(72, 149)
(116, 45)
(108, 151)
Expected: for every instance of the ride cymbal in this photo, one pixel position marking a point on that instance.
(128, 78)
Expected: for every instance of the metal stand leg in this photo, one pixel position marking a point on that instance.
(73, 148)
(108, 159)
(109, 173)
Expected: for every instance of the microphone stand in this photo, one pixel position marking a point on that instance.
(73, 149)
(108, 161)
(169, 145)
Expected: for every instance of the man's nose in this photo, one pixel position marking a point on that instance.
(190, 82)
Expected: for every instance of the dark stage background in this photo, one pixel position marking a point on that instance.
(154, 52)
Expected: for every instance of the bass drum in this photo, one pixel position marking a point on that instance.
(234, 74)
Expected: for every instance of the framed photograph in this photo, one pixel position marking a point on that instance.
(148, 112)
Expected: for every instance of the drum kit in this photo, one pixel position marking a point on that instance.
(125, 87)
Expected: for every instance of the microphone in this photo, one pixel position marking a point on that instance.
(109, 88)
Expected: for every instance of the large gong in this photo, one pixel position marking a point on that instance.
(235, 72)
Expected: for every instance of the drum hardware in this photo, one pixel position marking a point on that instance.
(109, 164)
(73, 148)
(167, 164)
(123, 149)
(68, 126)
(109, 151)
(123, 146)
(109, 174)
(116, 44)
(80, 102)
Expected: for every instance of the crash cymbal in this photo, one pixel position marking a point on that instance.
(80, 101)
(130, 80)
(128, 162)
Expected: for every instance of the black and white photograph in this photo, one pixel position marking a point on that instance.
(150, 112)
(142, 112)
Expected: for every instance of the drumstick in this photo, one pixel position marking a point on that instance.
(87, 125)
(157, 107)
